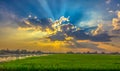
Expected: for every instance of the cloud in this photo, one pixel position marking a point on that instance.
(33, 30)
(105, 37)
(8, 18)
(98, 31)
(59, 31)
(116, 25)
(59, 36)
(91, 19)
(108, 1)
(116, 22)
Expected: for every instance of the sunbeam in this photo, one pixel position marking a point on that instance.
(55, 25)
(45, 6)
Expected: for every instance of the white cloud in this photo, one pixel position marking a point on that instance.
(108, 1)
(98, 31)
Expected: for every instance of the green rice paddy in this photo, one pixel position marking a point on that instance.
(65, 62)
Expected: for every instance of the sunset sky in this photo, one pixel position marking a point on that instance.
(60, 25)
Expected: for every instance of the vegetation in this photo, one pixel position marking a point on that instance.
(5, 52)
(65, 62)
(18, 52)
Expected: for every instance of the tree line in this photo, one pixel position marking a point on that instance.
(18, 51)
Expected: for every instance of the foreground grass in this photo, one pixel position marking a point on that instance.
(65, 62)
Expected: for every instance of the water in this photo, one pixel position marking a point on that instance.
(5, 58)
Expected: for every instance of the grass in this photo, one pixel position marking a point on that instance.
(65, 62)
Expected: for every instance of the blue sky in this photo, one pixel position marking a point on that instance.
(78, 10)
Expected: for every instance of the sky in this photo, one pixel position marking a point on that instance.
(60, 25)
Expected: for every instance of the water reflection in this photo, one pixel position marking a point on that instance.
(4, 58)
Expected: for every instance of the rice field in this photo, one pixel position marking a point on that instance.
(64, 62)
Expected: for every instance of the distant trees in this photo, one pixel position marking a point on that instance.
(7, 51)
(70, 52)
(18, 51)
(102, 52)
(95, 52)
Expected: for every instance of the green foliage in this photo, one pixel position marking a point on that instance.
(65, 62)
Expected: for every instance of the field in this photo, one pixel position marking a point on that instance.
(65, 62)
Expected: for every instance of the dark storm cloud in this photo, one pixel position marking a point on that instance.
(59, 36)
(89, 45)
(101, 38)
(116, 31)
(43, 23)
(81, 35)
(66, 30)
(74, 44)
